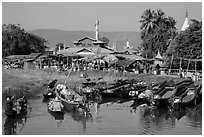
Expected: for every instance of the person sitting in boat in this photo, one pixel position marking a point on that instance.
(147, 93)
(22, 103)
(55, 105)
(9, 108)
(62, 90)
(51, 85)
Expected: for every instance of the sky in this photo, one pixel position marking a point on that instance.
(113, 16)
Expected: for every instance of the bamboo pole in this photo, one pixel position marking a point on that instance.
(68, 76)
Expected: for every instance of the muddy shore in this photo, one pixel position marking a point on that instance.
(32, 83)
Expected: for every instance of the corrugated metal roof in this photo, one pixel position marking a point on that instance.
(71, 50)
(86, 37)
(74, 50)
(124, 63)
(18, 57)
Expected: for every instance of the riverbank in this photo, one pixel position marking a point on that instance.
(34, 82)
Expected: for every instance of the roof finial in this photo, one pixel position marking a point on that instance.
(186, 13)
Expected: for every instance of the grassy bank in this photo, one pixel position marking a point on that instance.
(33, 82)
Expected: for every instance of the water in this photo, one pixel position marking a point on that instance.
(122, 118)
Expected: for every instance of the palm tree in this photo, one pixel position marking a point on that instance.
(160, 16)
(148, 21)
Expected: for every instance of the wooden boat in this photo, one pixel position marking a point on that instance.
(187, 99)
(14, 114)
(49, 94)
(158, 89)
(124, 90)
(11, 125)
(55, 109)
(69, 102)
(157, 86)
(19, 109)
(58, 115)
(108, 94)
(136, 104)
(199, 96)
(161, 99)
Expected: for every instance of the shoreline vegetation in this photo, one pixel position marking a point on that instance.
(32, 83)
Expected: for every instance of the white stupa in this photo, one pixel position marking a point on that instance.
(186, 23)
(127, 46)
(159, 56)
(159, 59)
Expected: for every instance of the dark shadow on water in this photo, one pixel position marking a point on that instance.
(81, 118)
(11, 125)
(194, 117)
(153, 120)
(45, 100)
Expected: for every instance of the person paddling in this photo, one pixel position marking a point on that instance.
(51, 85)
(10, 105)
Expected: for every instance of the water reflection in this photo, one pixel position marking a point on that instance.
(154, 120)
(132, 117)
(81, 118)
(135, 105)
(194, 117)
(77, 116)
(12, 125)
(58, 117)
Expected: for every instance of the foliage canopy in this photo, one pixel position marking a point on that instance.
(16, 41)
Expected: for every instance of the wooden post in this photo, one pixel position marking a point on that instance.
(40, 63)
(195, 65)
(172, 57)
(188, 66)
(180, 65)
(115, 67)
(77, 65)
(67, 61)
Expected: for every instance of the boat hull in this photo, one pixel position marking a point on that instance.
(188, 100)
(161, 102)
(68, 105)
(58, 115)
(13, 114)
(48, 96)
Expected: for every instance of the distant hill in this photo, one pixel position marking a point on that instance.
(68, 37)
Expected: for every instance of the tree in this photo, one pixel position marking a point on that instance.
(148, 21)
(188, 43)
(104, 39)
(59, 46)
(16, 41)
(156, 30)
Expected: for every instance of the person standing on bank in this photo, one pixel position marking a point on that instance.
(157, 67)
